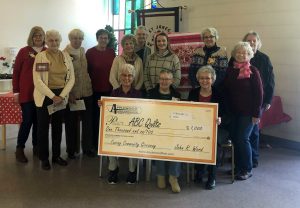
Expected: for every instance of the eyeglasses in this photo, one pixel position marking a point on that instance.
(127, 75)
(208, 37)
(204, 78)
(164, 79)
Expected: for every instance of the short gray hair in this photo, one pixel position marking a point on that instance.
(212, 31)
(128, 68)
(258, 40)
(52, 33)
(244, 45)
(141, 27)
(76, 33)
(208, 69)
(129, 37)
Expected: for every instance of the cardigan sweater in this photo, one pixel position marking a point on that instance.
(216, 97)
(115, 72)
(155, 63)
(99, 65)
(22, 74)
(244, 96)
(215, 56)
(40, 79)
(83, 85)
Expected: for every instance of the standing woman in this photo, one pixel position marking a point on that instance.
(244, 92)
(99, 59)
(53, 77)
(82, 90)
(128, 56)
(23, 90)
(210, 54)
(162, 58)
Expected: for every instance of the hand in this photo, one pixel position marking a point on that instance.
(99, 103)
(72, 98)
(219, 120)
(255, 120)
(267, 107)
(57, 100)
(16, 98)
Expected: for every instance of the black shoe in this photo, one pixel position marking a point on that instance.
(243, 176)
(89, 153)
(210, 184)
(46, 165)
(71, 156)
(131, 178)
(20, 156)
(113, 176)
(255, 164)
(59, 161)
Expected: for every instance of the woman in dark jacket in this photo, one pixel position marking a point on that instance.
(206, 77)
(164, 91)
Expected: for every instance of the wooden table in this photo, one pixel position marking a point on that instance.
(10, 113)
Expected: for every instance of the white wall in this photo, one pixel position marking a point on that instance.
(19, 16)
(278, 24)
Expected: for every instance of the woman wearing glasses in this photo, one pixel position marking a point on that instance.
(210, 54)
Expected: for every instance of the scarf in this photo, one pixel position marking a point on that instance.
(129, 59)
(244, 67)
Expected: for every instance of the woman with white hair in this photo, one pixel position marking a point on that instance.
(53, 77)
(206, 92)
(244, 92)
(210, 54)
(127, 75)
(263, 63)
(82, 90)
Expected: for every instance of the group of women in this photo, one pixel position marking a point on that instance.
(47, 81)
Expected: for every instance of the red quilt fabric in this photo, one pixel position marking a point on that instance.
(10, 112)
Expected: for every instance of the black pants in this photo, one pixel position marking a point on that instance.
(43, 119)
(29, 119)
(72, 124)
(96, 115)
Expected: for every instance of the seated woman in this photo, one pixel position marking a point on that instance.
(164, 91)
(206, 77)
(53, 77)
(127, 75)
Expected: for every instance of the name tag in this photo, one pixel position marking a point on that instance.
(40, 67)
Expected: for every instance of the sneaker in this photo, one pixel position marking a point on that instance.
(113, 176)
(174, 184)
(131, 178)
(244, 175)
(210, 184)
(161, 182)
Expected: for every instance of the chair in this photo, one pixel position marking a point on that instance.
(225, 147)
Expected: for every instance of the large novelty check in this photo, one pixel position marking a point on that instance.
(157, 129)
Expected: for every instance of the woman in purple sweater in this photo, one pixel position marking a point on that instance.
(244, 92)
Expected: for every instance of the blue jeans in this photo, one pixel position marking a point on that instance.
(174, 168)
(241, 128)
(29, 119)
(254, 141)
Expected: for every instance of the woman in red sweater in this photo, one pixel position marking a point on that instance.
(23, 90)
